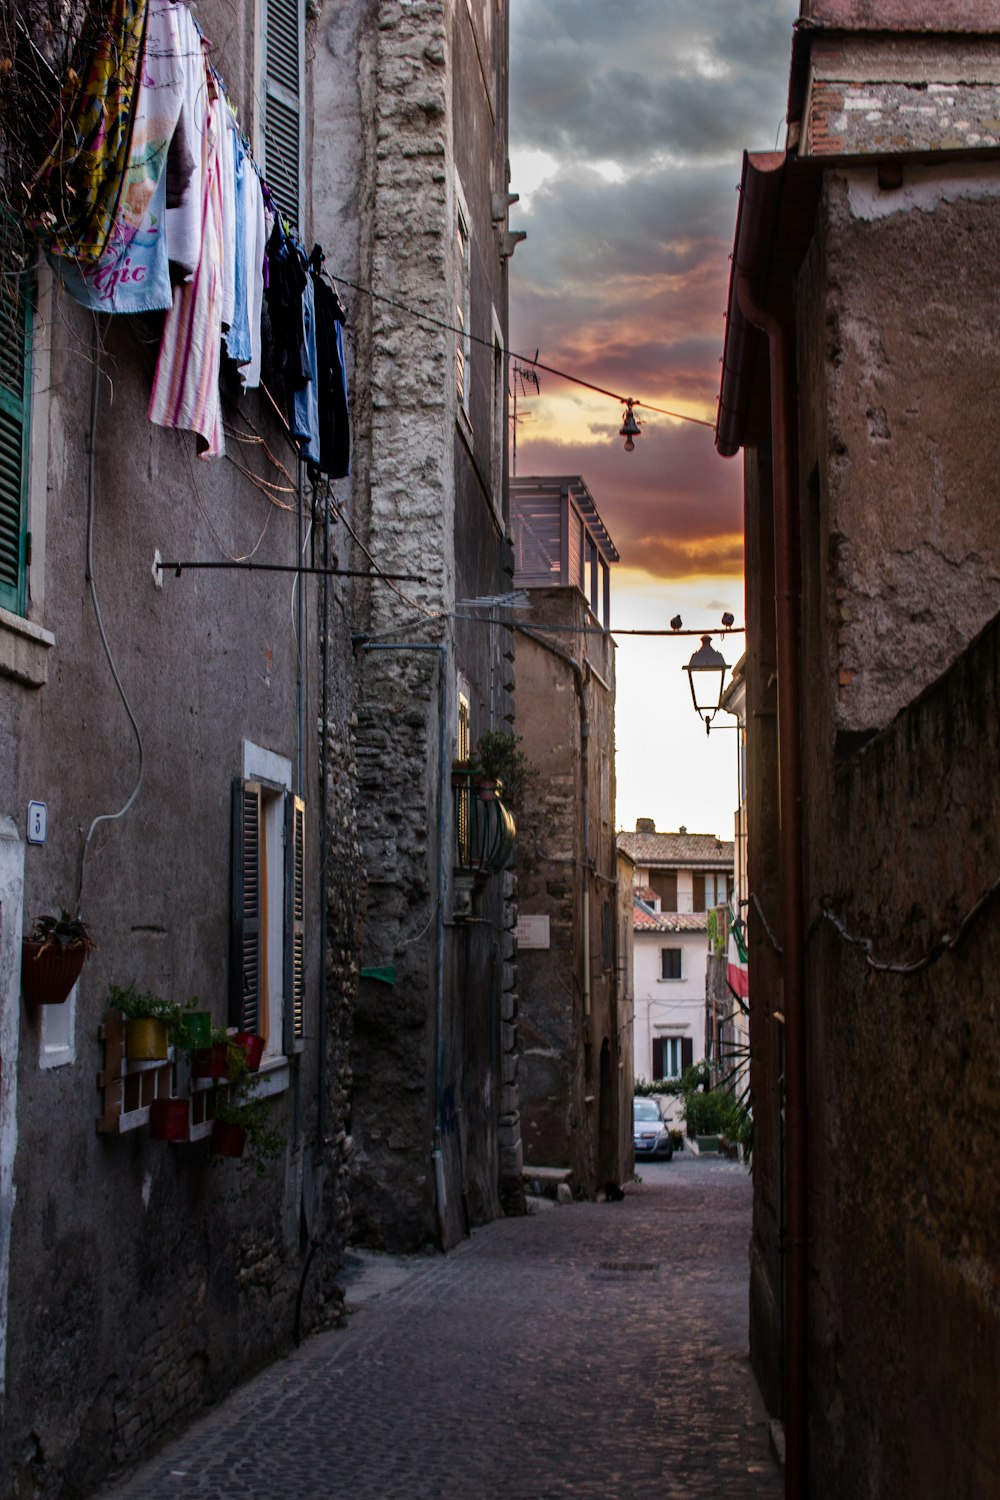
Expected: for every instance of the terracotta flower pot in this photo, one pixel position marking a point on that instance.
(196, 1029)
(146, 1039)
(211, 1062)
(48, 973)
(252, 1045)
(228, 1140)
(170, 1120)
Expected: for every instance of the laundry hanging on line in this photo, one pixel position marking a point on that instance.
(187, 227)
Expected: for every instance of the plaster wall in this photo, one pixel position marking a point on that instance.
(905, 1243)
(144, 1283)
(668, 1007)
(572, 1105)
(896, 485)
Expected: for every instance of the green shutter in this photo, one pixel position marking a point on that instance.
(294, 925)
(283, 116)
(244, 946)
(16, 291)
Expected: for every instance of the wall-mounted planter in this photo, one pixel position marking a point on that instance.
(195, 1029)
(253, 1047)
(146, 1039)
(211, 1062)
(170, 1120)
(49, 972)
(228, 1140)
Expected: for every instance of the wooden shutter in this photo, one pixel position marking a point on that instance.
(658, 1059)
(15, 377)
(698, 893)
(687, 1052)
(245, 944)
(294, 925)
(284, 22)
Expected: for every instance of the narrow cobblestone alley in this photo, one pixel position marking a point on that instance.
(589, 1350)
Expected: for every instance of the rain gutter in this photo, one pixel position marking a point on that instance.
(761, 192)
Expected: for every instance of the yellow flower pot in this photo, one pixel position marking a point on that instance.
(146, 1039)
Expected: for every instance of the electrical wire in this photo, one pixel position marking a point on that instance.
(440, 323)
(91, 489)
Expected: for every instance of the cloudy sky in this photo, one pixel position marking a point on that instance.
(628, 122)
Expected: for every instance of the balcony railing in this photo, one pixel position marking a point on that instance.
(485, 829)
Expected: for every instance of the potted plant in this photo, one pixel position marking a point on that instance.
(503, 766)
(194, 1028)
(243, 1125)
(150, 1022)
(252, 1047)
(52, 956)
(170, 1119)
(215, 1060)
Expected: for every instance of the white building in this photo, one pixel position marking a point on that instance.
(678, 877)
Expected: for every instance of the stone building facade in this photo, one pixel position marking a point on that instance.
(860, 357)
(410, 115)
(574, 1027)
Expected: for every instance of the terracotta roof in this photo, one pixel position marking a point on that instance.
(684, 851)
(645, 893)
(646, 920)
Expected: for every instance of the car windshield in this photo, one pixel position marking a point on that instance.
(645, 1109)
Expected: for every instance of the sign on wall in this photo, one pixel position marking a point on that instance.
(532, 932)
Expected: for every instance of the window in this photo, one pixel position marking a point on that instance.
(267, 958)
(697, 893)
(463, 737)
(282, 145)
(670, 963)
(463, 751)
(463, 299)
(671, 1055)
(16, 290)
(664, 883)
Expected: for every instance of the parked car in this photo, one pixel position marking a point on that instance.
(650, 1131)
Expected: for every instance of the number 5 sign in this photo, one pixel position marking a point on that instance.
(37, 819)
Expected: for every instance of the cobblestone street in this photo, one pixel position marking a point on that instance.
(589, 1350)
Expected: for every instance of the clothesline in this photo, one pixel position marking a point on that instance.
(150, 200)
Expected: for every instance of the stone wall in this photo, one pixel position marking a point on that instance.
(411, 100)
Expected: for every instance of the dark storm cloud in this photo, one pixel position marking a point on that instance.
(590, 80)
(644, 108)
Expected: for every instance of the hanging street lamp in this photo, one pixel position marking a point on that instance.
(707, 674)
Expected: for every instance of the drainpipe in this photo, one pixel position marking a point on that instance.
(790, 816)
(444, 792)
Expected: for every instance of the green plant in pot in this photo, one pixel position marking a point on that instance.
(52, 957)
(151, 1022)
(243, 1126)
(499, 758)
(194, 1026)
(216, 1060)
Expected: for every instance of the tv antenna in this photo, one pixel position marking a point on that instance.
(521, 376)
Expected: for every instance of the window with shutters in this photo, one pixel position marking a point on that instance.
(16, 292)
(664, 883)
(463, 300)
(670, 963)
(267, 957)
(282, 147)
(671, 1055)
